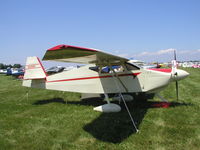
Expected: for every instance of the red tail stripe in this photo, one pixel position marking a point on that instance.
(42, 66)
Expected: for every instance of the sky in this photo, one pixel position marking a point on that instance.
(148, 30)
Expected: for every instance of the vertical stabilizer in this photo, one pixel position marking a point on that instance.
(34, 69)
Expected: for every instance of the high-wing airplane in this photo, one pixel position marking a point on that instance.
(105, 74)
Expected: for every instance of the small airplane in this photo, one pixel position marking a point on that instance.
(142, 64)
(106, 74)
(54, 69)
(15, 72)
(3, 71)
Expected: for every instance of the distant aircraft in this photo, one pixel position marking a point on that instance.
(55, 69)
(3, 71)
(106, 74)
(143, 65)
(15, 72)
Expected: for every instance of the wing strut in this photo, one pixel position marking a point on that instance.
(116, 79)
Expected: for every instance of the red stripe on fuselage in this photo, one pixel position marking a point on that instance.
(162, 70)
(96, 77)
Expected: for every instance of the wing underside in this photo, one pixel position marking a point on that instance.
(73, 54)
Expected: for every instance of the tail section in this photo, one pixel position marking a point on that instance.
(34, 69)
(35, 75)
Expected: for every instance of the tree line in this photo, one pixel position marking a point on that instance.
(4, 66)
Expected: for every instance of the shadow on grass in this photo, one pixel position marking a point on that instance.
(47, 101)
(115, 127)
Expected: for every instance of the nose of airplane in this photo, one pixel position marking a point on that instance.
(180, 74)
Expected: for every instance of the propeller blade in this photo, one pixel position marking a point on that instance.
(174, 64)
(177, 90)
(174, 54)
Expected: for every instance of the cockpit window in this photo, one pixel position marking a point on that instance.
(115, 68)
(107, 69)
(130, 66)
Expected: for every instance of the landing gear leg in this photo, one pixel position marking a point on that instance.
(107, 98)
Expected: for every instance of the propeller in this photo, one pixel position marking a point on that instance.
(175, 73)
(174, 54)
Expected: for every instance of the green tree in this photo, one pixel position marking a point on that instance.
(17, 66)
(6, 66)
(2, 66)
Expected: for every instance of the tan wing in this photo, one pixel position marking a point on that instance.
(68, 53)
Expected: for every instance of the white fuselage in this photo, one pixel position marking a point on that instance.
(85, 80)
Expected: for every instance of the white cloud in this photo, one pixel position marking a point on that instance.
(160, 52)
(123, 55)
(167, 55)
(116, 51)
(144, 54)
(165, 51)
(184, 52)
(164, 55)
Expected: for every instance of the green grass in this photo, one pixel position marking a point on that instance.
(57, 120)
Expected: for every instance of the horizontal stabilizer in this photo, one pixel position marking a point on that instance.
(34, 69)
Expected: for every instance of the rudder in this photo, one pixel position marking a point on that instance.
(34, 69)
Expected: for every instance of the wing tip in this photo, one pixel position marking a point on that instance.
(63, 46)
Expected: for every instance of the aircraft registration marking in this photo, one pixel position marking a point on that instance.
(33, 66)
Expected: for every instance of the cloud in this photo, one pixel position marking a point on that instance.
(184, 52)
(160, 52)
(117, 52)
(167, 55)
(163, 55)
(123, 55)
(165, 51)
(144, 54)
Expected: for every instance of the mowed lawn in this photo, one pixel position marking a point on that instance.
(56, 120)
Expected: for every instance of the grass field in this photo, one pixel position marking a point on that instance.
(56, 120)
